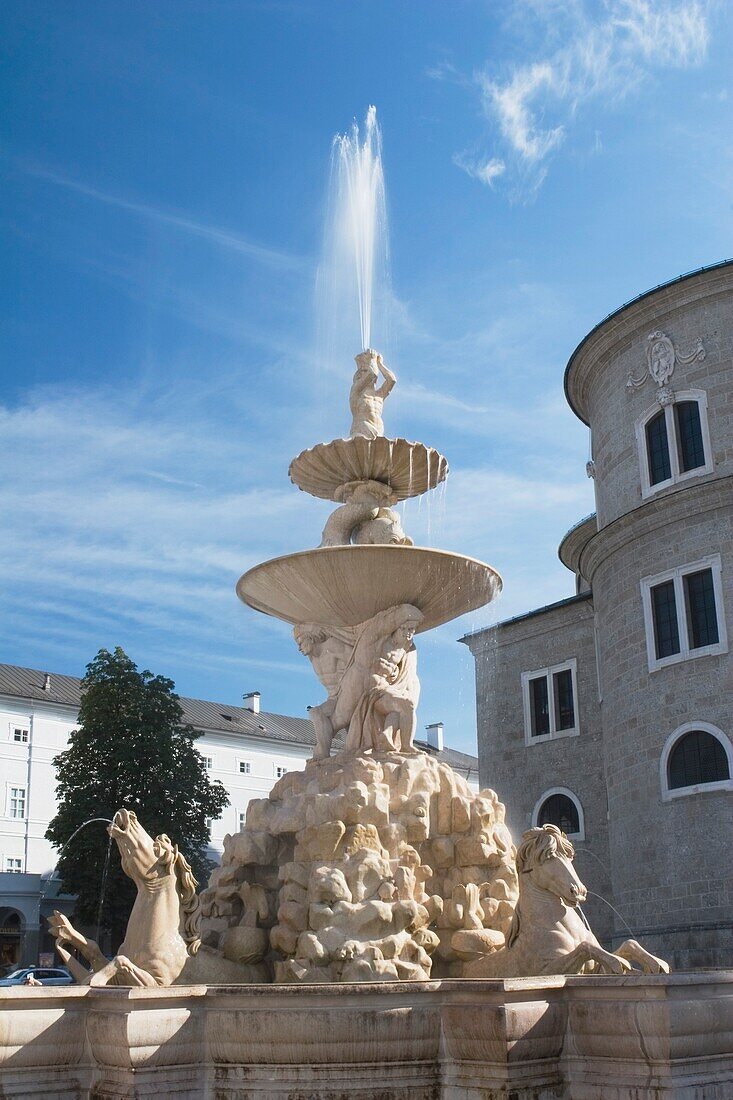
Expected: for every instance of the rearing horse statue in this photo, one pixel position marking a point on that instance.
(162, 944)
(547, 935)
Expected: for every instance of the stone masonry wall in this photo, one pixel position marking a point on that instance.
(521, 773)
(671, 865)
(614, 409)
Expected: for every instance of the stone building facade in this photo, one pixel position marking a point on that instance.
(613, 709)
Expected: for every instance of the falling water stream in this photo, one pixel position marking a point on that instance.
(102, 886)
(50, 879)
(614, 909)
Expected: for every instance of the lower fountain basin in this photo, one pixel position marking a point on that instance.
(346, 585)
(637, 1037)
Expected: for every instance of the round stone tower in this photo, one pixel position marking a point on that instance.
(654, 381)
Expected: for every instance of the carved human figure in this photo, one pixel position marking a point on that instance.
(366, 400)
(372, 667)
(384, 717)
(329, 651)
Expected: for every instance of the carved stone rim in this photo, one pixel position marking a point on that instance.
(409, 469)
(346, 585)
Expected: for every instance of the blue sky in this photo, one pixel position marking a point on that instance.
(164, 169)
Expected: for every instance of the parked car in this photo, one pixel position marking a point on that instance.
(43, 974)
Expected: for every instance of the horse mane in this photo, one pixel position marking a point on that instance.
(186, 884)
(536, 846)
(542, 843)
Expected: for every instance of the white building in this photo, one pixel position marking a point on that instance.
(246, 748)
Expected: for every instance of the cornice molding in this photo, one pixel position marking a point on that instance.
(652, 516)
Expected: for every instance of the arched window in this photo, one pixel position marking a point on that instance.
(674, 442)
(696, 757)
(560, 807)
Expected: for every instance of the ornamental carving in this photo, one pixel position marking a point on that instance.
(661, 359)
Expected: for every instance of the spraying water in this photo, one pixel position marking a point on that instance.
(353, 274)
(50, 879)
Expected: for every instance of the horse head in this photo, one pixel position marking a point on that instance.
(546, 854)
(153, 864)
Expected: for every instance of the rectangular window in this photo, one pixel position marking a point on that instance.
(20, 735)
(245, 767)
(550, 702)
(564, 705)
(664, 607)
(702, 621)
(539, 703)
(674, 442)
(242, 820)
(683, 613)
(657, 449)
(13, 866)
(208, 762)
(690, 447)
(16, 803)
(280, 771)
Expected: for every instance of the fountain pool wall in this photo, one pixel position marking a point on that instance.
(555, 1038)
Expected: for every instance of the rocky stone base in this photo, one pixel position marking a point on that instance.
(666, 1037)
(360, 868)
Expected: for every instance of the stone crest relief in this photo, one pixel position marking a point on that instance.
(661, 359)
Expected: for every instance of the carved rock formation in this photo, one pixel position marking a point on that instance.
(358, 868)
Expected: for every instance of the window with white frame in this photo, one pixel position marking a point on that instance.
(16, 802)
(208, 762)
(550, 698)
(242, 820)
(245, 767)
(696, 757)
(683, 613)
(19, 734)
(13, 865)
(560, 807)
(674, 442)
(280, 771)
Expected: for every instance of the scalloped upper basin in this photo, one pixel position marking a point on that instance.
(410, 469)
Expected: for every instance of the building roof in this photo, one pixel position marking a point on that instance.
(28, 683)
(575, 540)
(528, 615)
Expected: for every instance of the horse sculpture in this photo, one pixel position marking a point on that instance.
(162, 945)
(547, 935)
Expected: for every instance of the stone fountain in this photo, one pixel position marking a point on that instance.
(372, 932)
(359, 866)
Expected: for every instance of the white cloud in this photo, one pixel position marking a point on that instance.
(486, 170)
(126, 522)
(533, 108)
(224, 238)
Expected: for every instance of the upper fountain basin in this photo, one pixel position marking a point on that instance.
(410, 469)
(346, 585)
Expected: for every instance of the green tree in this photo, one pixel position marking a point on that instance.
(131, 750)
